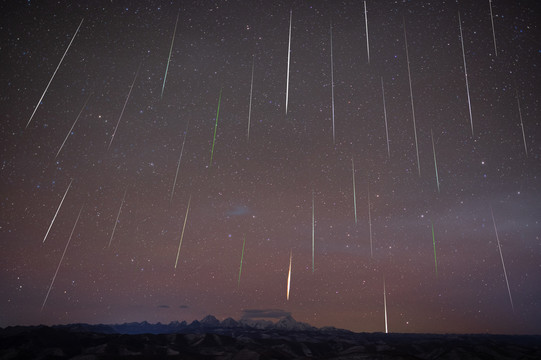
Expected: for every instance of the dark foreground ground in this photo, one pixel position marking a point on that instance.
(59, 343)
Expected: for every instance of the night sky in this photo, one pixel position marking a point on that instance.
(263, 189)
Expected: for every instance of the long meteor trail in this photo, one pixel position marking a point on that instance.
(434, 243)
(52, 77)
(124, 107)
(289, 274)
(288, 57)
(72, 126)
(366, 25)
(332, 89)
(411, 98)
(354, 196)
(435, 163)
(385, 117)
(385, 306)
(61, 259)
(117, 216)
(215, 128)
(178, 164)
(313, 230)
(250, 106)
(370, 221)
(241, 257)
(503, 264)
(522, 125)
(170, 52)
(183, 228)
(57, 210)
(465, 71)
(493, 31)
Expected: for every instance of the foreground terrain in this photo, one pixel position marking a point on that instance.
(210, 339)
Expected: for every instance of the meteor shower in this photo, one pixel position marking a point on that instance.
(368, 165)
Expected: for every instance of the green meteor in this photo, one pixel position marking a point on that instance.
(215, 127)
(170, 51)
(354, 197)
(434, 242)
(241, 257)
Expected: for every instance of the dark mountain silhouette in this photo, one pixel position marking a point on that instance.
(249, 339)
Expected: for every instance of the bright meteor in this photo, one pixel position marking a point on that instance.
(183, 228)
(288, 57)
(313, 231)
(411, 98)
(385, 117)
(250, 106)
(503, 264)
(493, 31)
(465, 71)
(215, 128)
(522, 125)
(61, 259)
(241, 257)
(124, 107)
(57, 210)
(170, 51)
(434, 242)
(52, 77)
(289, 274)
(385, 306)
(366, 25)
(72, 126)
(435, 163)
(117, 216)
(332, 89)
(354, 196)
(178, 165)
(370, 221)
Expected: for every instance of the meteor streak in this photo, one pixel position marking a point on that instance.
(522, 126)
(385, 306)
(289, 274)
(170, 51)
(493, 32)
(124, 107)
(183, 228)
(72, 126)
(385, 117)
(241, 257)
(250, 106)
(313, 231)
(57, 210)
(434, 242)
(435, 163)
(354, 197)
(52, 77)
(411, 98)
(288, 57)
(61, 259)
(332, 89)
(215, 127)
(370, 221)
(465, 71)
(503, 264)
(178, 165)
(366, 25)
(117, 216)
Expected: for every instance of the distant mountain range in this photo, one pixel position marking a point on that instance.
(247, 339)
(209, 324)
